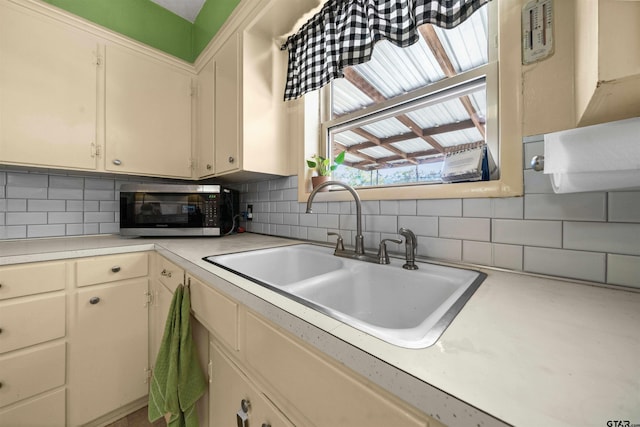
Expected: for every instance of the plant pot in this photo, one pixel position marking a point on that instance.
(317, 180)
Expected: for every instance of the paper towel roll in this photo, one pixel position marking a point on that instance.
(594, 158)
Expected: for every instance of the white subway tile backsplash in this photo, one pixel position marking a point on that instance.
(371, 239)
(478, 208)
(276, 195)
(92, 228)
(283, 230)
(291, 218)
(290, 194)
(398, 207)
(1, 218)
(66, 193)
(26, 192)
(66, 182)
(45, 230)
(75, 206)
(276, 218)
(370, 207)
(448, 207)
(446, 249)
(26, 218)
(318, 208)
(99, 217)
(46, 205)
(527, 232)
(339, 208)
(109, 206)
(465, 228)
(624, 206)
(15, 232)
(420, 225)
(317, 234)
(508, 208)
(19, 179)
(328, 220)
(3, 178)
(65, 217)
(508, 256)
(575, 207)
(99, 194)
(91, 206)
(16, 205)
(74, 229)
(99, 184)
(109, 228)
(617, 238)
(309, 220)
(347, 222)
(381, 223)
(623, 270)
(560, 262)
(537, 183)
(476, 252)
(283, 207)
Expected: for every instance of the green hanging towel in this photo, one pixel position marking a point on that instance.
(178, 381)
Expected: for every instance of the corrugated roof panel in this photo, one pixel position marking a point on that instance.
(377, 152)
(412, 145)
(386, 128)
(451, 139)
(348, 138)
(447, 112)
(394, 71)
(347, 98)
(479, 102)
(466, 44)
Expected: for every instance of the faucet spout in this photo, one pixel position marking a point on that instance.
(411, 246)
(359, 238)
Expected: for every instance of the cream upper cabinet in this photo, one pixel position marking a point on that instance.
(48, 91)
(147, 115)
(205, 162)
(227, 106)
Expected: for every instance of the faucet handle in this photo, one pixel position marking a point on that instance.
(383, 255)
(339, 241)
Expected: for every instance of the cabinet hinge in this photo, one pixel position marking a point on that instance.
(148, 373)
(193, 164)
(99, 61)
(148, 300)
(210, 371)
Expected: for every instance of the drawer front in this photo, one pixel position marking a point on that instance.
(27, 373)
(43, 411)
(218, 313)
(229, 386)
(35, 278)
(169, 274)
(104, 269)
(335, 397)
(31, 320)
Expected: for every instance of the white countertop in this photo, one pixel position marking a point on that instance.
(526, 350)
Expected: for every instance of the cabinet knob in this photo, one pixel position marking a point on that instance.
(115, 268)
(209, 167)
(266, 425)
(0, 285)
(165, 273)
(0, 330)
(117, 162)
(231, 159)
(94, 300)
(0, 385)
(245, 405)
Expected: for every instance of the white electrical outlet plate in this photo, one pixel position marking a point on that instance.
(537, 31)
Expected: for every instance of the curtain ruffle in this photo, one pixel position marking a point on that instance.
(344, 33)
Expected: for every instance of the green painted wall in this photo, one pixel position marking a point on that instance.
(209, 20)
(153, 25)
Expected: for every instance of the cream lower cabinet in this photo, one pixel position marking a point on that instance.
(235, 400)
(108, 336)
(285, 381)
(32, 347)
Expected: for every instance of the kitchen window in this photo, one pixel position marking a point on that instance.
(400, 114)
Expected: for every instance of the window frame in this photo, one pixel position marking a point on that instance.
(504, 127)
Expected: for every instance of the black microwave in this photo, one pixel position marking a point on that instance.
(177, 210)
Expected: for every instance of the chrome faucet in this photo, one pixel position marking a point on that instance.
(359, 238)
(410, 246)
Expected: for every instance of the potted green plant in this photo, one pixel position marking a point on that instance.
(323, 167)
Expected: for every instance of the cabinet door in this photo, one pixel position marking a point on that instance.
(48, 82)
(108, 349)
(148, 115)
(229, 386)
(205, 119)
(227, 105)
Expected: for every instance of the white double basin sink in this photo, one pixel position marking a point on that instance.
(407, 308)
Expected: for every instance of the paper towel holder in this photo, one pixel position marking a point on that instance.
(537, 163)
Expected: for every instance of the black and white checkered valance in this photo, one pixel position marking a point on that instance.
(344, 31)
